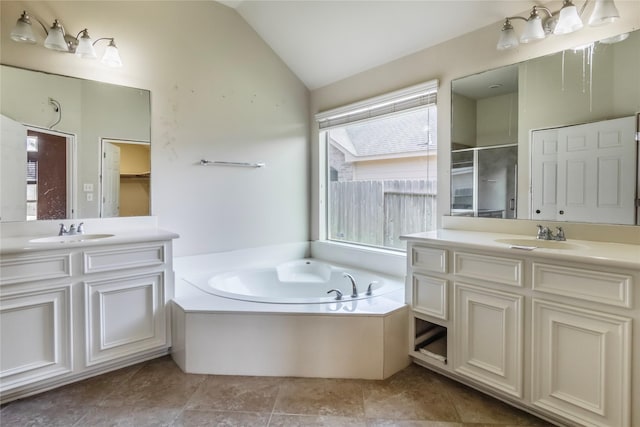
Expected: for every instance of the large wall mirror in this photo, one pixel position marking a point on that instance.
(72, 148)
(551, 138)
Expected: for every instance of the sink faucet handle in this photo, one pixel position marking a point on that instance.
(62, 231)
(541, 231)
(80, 229)
(560, 234)
(338, 293)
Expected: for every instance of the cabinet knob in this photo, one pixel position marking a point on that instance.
(537, 211)
(561, 212)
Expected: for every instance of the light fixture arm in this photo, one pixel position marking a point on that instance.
(103, 38)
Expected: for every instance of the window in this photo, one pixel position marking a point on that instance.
(381, 174)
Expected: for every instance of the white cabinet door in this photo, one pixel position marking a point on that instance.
(124, 316)
(35, 334)
(581, 364)
(488, 328)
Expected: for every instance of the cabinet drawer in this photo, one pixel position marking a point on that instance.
(589, 285)
(506, 271)
(430, 296)
(121, 258)
(32, 268)
(429, 259)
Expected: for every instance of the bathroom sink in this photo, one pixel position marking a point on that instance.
(70, 238)
(535, 243)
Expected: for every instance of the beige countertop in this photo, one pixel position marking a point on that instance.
(24, 244)
(602, 253)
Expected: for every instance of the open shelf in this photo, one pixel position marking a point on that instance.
(430, 340)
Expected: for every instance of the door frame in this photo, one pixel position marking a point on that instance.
(104, 141)
(72, 165)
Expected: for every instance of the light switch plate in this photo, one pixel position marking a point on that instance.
(89, 197)
(87, 187)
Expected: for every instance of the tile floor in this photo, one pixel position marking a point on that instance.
(158, 393)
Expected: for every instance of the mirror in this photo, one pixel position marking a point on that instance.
(571, 118)
(72, 148)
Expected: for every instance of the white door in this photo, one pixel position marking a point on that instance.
(544, 174)
(13, 170)
(591, 178)
(110, 180)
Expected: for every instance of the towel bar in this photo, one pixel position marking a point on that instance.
(239, 164)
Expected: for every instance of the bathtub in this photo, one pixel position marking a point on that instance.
(275, 318)
(305, 281)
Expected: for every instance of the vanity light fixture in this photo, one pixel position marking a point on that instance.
(566, 20)
(57, 39)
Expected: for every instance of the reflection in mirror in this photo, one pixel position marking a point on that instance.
(572, 116)
(54, 133)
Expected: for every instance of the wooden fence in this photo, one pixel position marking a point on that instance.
(377, 213)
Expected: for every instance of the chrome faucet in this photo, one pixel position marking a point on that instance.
(370, 288)
(338, 293)
(72, 230)
(545, 233)
(354, 289)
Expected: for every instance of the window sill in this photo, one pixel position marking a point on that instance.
(385, 261)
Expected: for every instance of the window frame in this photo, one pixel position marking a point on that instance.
(396, 102)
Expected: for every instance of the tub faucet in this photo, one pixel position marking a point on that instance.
(370, 288)
(354, 289)
(338, 293)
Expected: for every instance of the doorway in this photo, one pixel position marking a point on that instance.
(50, 177)
(125, 178)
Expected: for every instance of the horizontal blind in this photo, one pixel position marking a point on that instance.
(405, 99)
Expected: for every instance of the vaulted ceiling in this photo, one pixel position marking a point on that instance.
(323, 41)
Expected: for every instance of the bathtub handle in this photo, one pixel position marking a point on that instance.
(338, 293)
(369, 290)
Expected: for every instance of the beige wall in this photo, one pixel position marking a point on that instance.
(497, 120)
(469, 54)
(217, 92)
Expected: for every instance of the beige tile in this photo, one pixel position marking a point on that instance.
(280, 420)
(403, 403)
(317, 396)
(131, 417)
(411, 423)
(191, 418)
(234, 393)
(18, 415)
(84, 393)
(160, 384)
(476, 407)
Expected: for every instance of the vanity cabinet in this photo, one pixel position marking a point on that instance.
(66, 314)
(549, 334)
